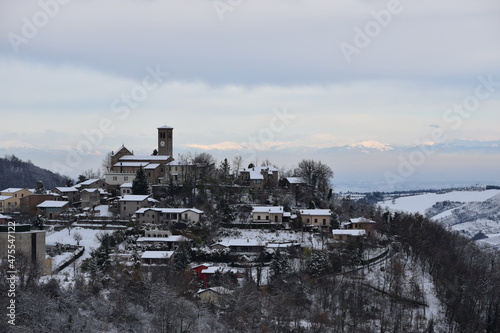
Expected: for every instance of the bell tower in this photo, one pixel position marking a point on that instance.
(165, 139)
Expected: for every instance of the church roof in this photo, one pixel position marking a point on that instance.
(165, 127)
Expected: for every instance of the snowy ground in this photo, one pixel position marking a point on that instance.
(419, 203)
(65, 236)
(282, 236)
(103, 211)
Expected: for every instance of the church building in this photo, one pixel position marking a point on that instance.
(124, 164)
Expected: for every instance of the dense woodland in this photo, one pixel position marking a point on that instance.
(17, 173)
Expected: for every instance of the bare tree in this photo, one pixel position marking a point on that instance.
(106, 162)
(237, 163)
(77, 237)
(316, 174)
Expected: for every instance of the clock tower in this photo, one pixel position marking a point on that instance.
(165, 139)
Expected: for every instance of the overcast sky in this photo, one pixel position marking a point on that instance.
(339, 72)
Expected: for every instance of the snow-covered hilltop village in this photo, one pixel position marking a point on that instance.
(157, 244)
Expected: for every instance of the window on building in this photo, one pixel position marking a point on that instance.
(315, 220)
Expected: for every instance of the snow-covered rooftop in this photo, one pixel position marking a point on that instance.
(316, 212)
(66, 189)
(174, 239)
(165, 127)
(5, 197)
(131, 164)
(218, 290)
(126, 185)
(132, 197)
(89, 182)
(152, 166)
(5, 217)
(143, 158)
(362, 220)
(214, 269)
(52, 204)
(169, 210)
(295, 180)
(349, 232)
(280, 245)
(157, 254)
(268, 209)
(12, 190)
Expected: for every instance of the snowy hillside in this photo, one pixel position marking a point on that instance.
(468, 212)
(475, 217)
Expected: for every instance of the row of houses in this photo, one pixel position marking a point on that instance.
(22, 200)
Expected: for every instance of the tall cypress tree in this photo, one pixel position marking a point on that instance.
(140, 185)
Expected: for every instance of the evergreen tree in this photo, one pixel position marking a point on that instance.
(335, 221)
(140, 185)
(224, 170)
(279, 265)
(39, 187)
(82, 178)
(319, 263)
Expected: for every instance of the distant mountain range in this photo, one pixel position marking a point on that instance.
(17, 173)
(366, 161)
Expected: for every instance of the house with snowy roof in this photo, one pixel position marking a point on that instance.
(214, 295)
(259, 178)
(52, 209)
(205, 272)
(171, 242)
(124, 164)
(267, 214)
(90, 183)
(346, 235)
(295, 184)
(10, 199)
(91, 197)
(129, 204)
(5, 219)
(71, 194)
(157, 257)
(316, 218)
(361, 223)
(125, 188)
(240, 246)
(29, 203)
(168, 216)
